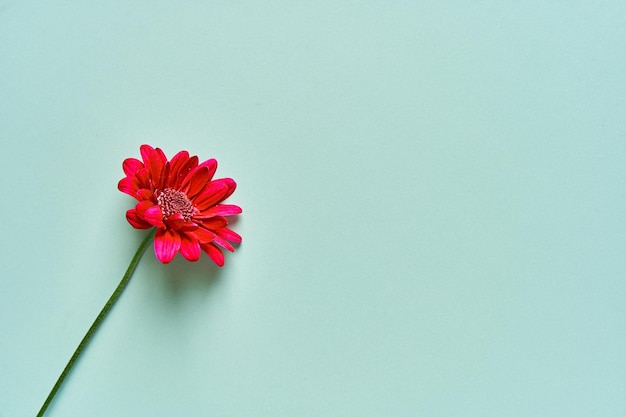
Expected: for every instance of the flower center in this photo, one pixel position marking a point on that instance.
(174, 201)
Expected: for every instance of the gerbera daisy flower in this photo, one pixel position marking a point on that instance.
(182, 200)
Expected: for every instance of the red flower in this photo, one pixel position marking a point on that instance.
(181, 199)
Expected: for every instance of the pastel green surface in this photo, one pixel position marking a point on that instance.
(433, 194)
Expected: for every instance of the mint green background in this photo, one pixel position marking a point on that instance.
(433, 194)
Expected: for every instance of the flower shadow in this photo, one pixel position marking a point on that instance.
(180, 281)
(182, 276)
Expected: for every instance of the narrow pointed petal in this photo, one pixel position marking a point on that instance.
(221, 210)
(142, 179)
(147, 153)
(214, 223)
(211, 164)
(203, 235)
(228, 234)
(194, 183)
(165, 173)
(212, 194)
(214, 253)
(189, 247)
(152, 159)
(175, 164)
(131, 166)
(136, 221)
(232, 185)
(223, 243)
(183, 171)
(166, 244)
(161, 155)
(154, 216)
(229, 186)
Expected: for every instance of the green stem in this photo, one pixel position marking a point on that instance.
(98, 321)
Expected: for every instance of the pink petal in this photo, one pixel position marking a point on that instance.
(189, 227)
(136, 221)
(131, 166)
(154, 216)
(166, 244)
(142, 206)
(214, 253)
(189, 247)
(176, 222)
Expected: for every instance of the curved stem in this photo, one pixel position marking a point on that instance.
(98, 321)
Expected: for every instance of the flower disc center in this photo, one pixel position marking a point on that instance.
(174, 201)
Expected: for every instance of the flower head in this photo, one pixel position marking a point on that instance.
(180, 198)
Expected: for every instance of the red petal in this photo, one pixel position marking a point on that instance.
(232, 185)
(165, 174)
(185, 168)
(175, 164)
(136, 221)
(212, 194)
(166, 244)
(161, 155)
(214, 223)
(128, 186)
(228, 234)
(211, 164)
(144, 194)
(221, 210)
(131, 166)
(154, 216)
(146, 152)
(194, 183)
(224, 244)
(203, 235)
(189, 247)
(142, 179)
(152, 159)
(228, 183)
(214, 253)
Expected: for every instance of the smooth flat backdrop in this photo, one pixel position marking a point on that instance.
(434, 200)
